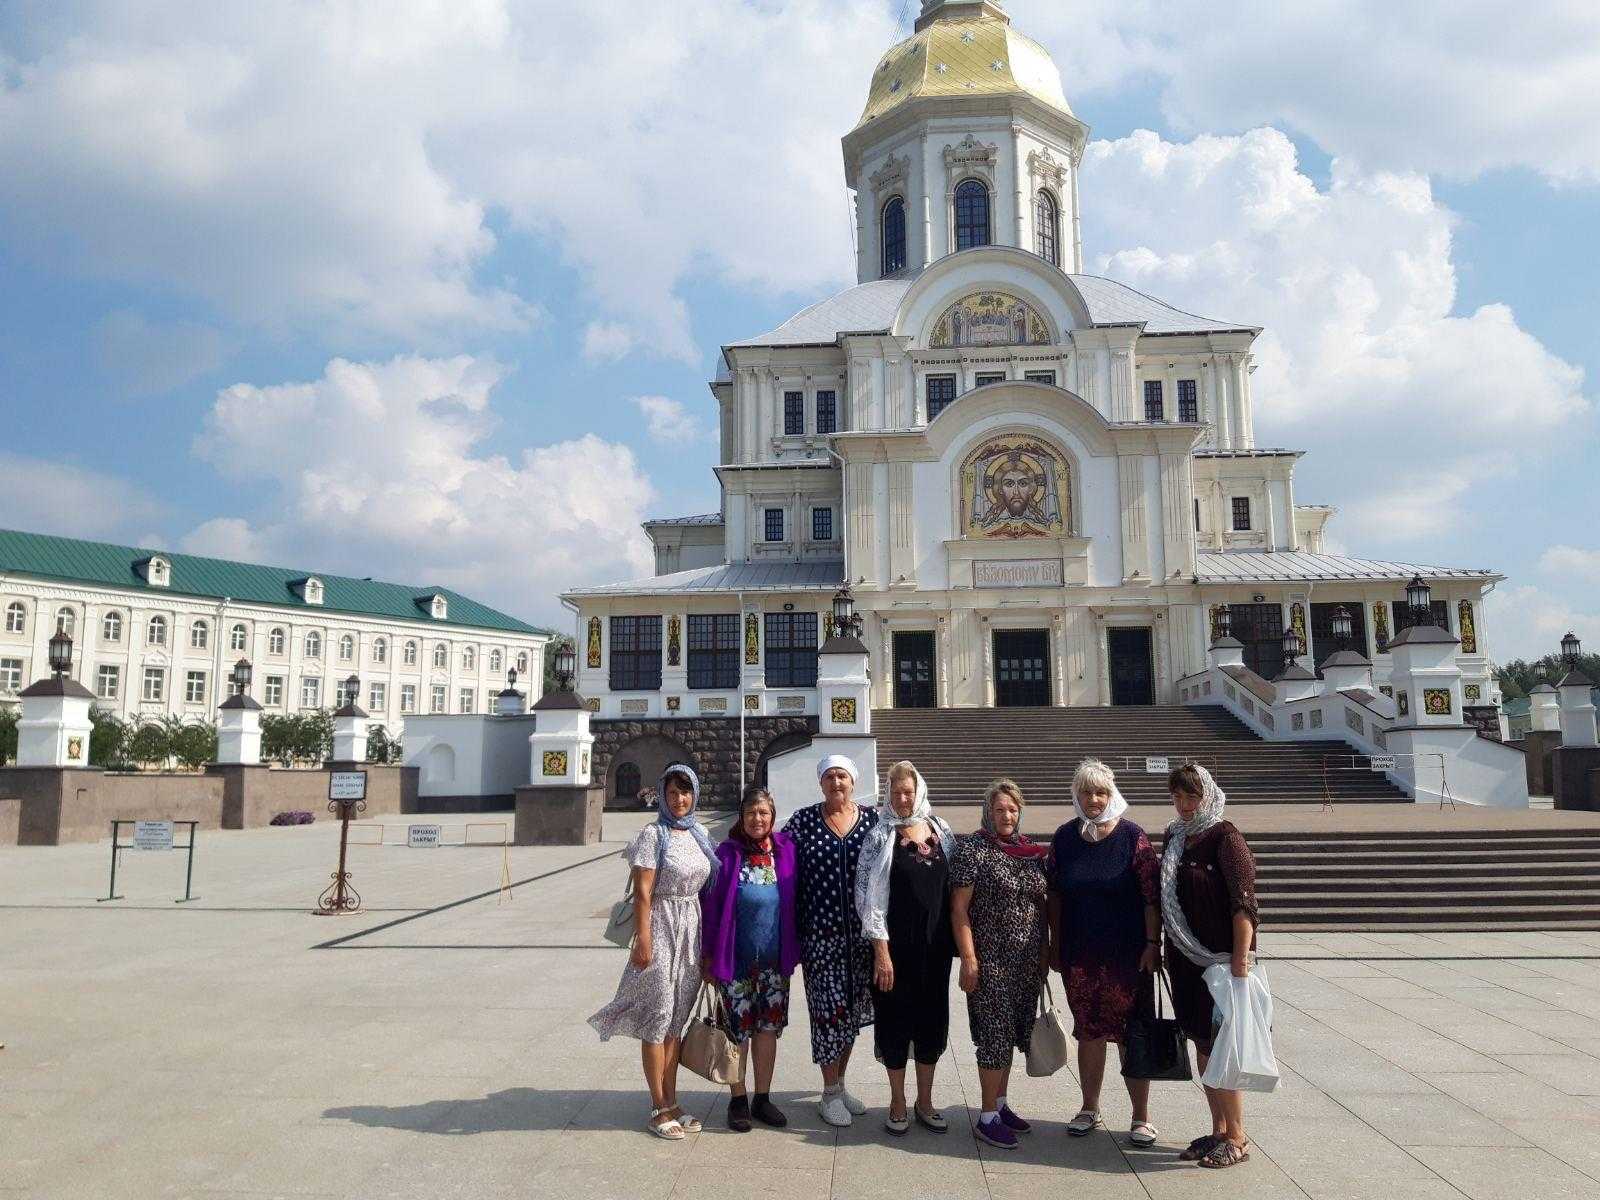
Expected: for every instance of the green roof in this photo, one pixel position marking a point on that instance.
(101, 563)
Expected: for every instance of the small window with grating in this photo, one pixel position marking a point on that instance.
(1188, 401)
(794, 413)
(773, 529)
(827, 412)
(1154, 408)
(1241, 512)
(941, 393)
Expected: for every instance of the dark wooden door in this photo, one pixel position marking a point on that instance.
(1260, 628)
(913, 670)
(1132, 671)
(1021, 668)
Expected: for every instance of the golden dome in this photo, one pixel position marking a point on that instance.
(963, 49)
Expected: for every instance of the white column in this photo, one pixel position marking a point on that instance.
(1577, 711)
(1244, 434)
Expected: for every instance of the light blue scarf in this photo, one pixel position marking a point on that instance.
(665, 819)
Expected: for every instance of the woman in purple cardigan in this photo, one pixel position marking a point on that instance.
(750, 946)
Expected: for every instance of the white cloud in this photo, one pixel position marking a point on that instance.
(1571, 561)
(382, 466)
(56, 497)
(1453, 90)
(147, 358)
(669, 422)
(1528, 622)
(335, 167)
(227, 537)
(1361, 360)
(606, 341)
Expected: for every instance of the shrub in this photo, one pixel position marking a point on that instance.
(8, 736)
(298, 817)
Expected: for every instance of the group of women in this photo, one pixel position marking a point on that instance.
(876, 905)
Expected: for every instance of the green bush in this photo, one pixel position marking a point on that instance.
(381, 748)
(8, 735)
(108, 740)
(194, 745)
(305, 738)
(150, 744)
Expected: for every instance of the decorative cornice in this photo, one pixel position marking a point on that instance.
(889, 177)
(1044, 167)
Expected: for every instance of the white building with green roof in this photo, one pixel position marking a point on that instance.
(157, 634)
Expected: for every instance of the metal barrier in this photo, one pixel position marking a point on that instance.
(430, 835)
(151, 835)
(1161, 764)
(1385, 763)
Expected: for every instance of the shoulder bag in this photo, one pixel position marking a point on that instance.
(707, 1049)
(1047, 1044)
(1153, 1045)
(620, 928)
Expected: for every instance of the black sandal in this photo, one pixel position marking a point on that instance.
(739, 1114)
(1199, 1148)
(1227, 1154)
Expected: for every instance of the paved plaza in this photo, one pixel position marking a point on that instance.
(435, 1046)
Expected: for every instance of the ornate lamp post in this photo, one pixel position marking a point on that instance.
(61, 653)
(846, 621)
(243, 672)
(1343, 627)
(1224, 623)
(566, 666)
(1419, 598)
(1571, 650)
(1292, 649)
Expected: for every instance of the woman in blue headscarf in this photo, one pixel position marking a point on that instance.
(673, 860)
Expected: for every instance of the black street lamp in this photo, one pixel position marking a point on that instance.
(1343, 627)
(1224, 622)
(1419, 598)
(1292, 649)
(511, 679)
(1571, 649)
(566, 666)
(242, 674)
(61, 653)
(846, 622)
(352, 690)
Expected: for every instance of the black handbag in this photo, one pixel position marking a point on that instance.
(1153, 1045)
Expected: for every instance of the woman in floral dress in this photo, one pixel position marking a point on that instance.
(1105, 922)
(672, 859)
(751, 947)
(836, 958)
(997, 911)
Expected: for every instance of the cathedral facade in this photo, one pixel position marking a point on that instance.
(1041, 486)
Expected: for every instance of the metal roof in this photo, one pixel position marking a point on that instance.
(824, 575)
(697, 519)
(871, 308)
(1294, 566)
(103, 564)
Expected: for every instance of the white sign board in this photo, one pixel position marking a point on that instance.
(152, 835)
(1157, 766)
(347, 785)
(422, 836)
(1016, 572)
(1382, 762)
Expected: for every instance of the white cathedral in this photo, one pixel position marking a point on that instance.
(1041, 486)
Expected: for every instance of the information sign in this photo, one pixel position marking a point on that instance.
(152, 835)
(1382, 762)
(347, 785)
(422, 836)
(1157, 766)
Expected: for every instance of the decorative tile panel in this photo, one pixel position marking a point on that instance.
(674, 640)
(713, 704)
(1472, 691)
(752, 640)
(1436, 702)
(555, 763)
(1468, 627)
(635, 708)
(1316, 718)
(843, 710)
(791, 704)
(1297, 722)
(1353, 719)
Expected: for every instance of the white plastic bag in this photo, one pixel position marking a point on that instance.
(1241, 1056)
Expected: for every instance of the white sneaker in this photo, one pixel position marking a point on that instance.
(834, 1110)
(854, 1105)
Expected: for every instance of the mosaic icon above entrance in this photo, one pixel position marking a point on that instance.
(1014, 486)
(989, 319)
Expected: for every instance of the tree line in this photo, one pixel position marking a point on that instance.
(1520, 676)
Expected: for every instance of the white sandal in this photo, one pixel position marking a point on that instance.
(1085, 1123)
(669, 1129)
(1142, 1133)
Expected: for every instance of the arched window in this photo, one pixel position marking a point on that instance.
(1047, 228)
(155, 632)
(67, 622)
(972, 215)
(199, 635)
(441, 655)
(16, 616)
(409, 657)
(347, 648)
(380, 650)
(522, 663)
(239, 637)
(469, 659)
(313, 644)
(894, 235)
(111, 627)
(494, 662)
(275, 642)
(628, 782)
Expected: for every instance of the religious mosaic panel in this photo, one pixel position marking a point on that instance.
(1436, 702)
(1380, 625)
(555, 763)
(1402, 702)
(674, 640)
(1015, 486)
(1469, 628)
(1297, 622)
(1472, 691)
(843, 710)
(752, 640)
(593, 656)
(989, 319)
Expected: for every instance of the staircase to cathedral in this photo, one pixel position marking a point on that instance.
(961, 750)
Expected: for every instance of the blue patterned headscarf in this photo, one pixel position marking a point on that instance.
(665, 819)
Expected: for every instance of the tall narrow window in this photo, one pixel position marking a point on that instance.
(16, 617)
(822, 524)
(794, 413)
(155, 683)
(941, 392)
(441, 655)
(827, 412)
(347, 648)
(635, 654)
(108, 683)
(67, 622)
(894, 235)
(199, 636)
(380, 650)
(714, 650)
(1241, 512)
(275, 642)
(409, 654)
(469, 659)
(1188, 401)
(238, 637)
(972, 215)
(194, 687)
(155, 633)
(774, 525)
(791, 649)
(313, 644)
(495, 659)
(1047, 228)
(1154, 408)
(111, 627)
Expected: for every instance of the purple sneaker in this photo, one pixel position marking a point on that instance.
(996, 1133)
(1013, 1122)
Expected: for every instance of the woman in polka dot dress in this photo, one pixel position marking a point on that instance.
(835, 958)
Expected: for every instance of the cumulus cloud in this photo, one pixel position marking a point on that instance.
(147, 358)
(228, 537)
(1362, 359)
(57, 497)
(382, 464)
(667, 421)
(1528, 622)
(606, 341)
(1571, 562)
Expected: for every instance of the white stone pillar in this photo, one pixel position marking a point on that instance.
(1244, 433)
(1424, 671)
(1544, 709)
(54, 728)
(239, 732)
(1577, 710)
(562, 746)
(1226, 652)
(350, 734)
(1346, 669)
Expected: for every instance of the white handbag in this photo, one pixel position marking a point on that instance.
(1047, 1044)
(620, 929)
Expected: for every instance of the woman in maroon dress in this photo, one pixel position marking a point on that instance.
(1105, 923)
(1209, 914)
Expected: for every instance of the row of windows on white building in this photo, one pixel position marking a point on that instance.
(973, 224)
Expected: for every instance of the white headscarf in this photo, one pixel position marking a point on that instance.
(1092, 772)
(1212, 802)
(844, 761)
(877, 854)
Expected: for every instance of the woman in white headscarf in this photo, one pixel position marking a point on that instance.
(903, 897)
(1209, 914)
(836, 960)
(1105, 923)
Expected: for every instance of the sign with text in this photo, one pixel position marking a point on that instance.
(1016, 572)
(152, 835)
(422, 836)
(1157, 766)
(1382, 762)
(347, 785)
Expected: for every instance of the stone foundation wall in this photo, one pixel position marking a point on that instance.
(710, 745)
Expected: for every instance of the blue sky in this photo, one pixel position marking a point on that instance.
(433, 294)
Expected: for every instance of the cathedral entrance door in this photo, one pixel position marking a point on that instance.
(913, 669)
(1132, 679)
(1021, 668)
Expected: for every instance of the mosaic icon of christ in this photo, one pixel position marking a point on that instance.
(1015, 493)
